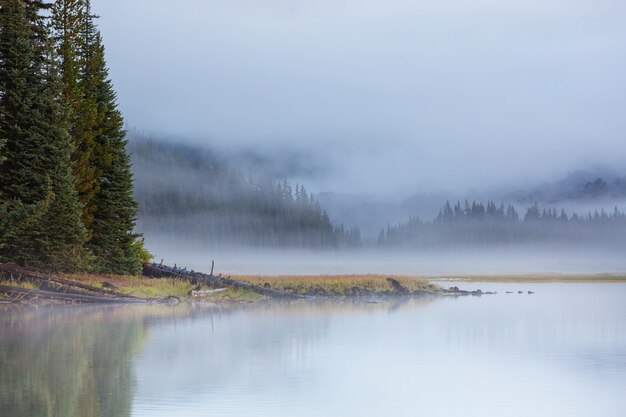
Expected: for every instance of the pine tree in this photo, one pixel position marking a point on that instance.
(68, 22)
(113, 241)
(41, 213)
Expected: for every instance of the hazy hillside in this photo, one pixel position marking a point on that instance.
(190, 193)
(579, 191)
(578, 185)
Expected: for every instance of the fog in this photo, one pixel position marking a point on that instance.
(196, 206)
(388, 97)
(384, 112)
(430, 263)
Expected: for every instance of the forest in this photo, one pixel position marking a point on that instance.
(479, 224)
(66, 187)
(195, 194)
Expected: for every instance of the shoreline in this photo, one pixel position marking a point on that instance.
(162, 284)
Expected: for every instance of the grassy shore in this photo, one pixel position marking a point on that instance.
(335, 285)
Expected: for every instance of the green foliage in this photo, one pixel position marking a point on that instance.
(66, 190)
(113, 240)
(71, 34)
(143, 254)
(41, 224)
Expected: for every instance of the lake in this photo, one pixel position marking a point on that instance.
(558, 352)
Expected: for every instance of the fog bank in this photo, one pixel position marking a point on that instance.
(522, 260)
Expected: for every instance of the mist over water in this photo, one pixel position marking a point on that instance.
(198, 205)
(460, 261)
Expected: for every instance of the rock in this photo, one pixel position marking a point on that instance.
(520, 292)
(453, 289)
(509, 292)
(530, 292)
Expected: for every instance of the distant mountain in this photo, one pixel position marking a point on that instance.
(578, 185)
(581, 191)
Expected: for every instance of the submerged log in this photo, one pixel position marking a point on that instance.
(163, 271)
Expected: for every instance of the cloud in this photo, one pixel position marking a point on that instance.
(394, 94)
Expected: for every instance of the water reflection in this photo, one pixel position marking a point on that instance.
(561, 351)
(69, 362)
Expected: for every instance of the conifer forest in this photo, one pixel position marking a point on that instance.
(66, 186)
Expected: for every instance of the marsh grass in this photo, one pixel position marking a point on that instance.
(337, 284)
(138, 285)
(308, 284)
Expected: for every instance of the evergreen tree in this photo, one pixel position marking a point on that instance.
(112, 241)
(68, 21)
(40, 217)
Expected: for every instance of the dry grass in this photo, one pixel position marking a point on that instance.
(303, 284)
(337, 284)
(137, 285)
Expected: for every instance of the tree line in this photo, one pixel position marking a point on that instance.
(490, 224)
(66, 187)
(189, 193)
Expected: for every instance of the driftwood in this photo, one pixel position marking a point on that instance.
(195, 293)
(20, 293)
(161, 271)
(63, 289)
(16, 271)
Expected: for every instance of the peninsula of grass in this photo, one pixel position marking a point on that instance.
(340, 285)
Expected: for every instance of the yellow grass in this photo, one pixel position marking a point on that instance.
(149, 287)
(337, 284)
(137, 285)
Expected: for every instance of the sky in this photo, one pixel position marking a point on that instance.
(380, 96)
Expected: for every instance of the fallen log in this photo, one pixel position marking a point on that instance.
(22, 293)
(16, 271)
(163, 271)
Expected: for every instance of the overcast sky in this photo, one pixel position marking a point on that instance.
(391, 95)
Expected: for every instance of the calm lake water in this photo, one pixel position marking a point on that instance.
(559, 352)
